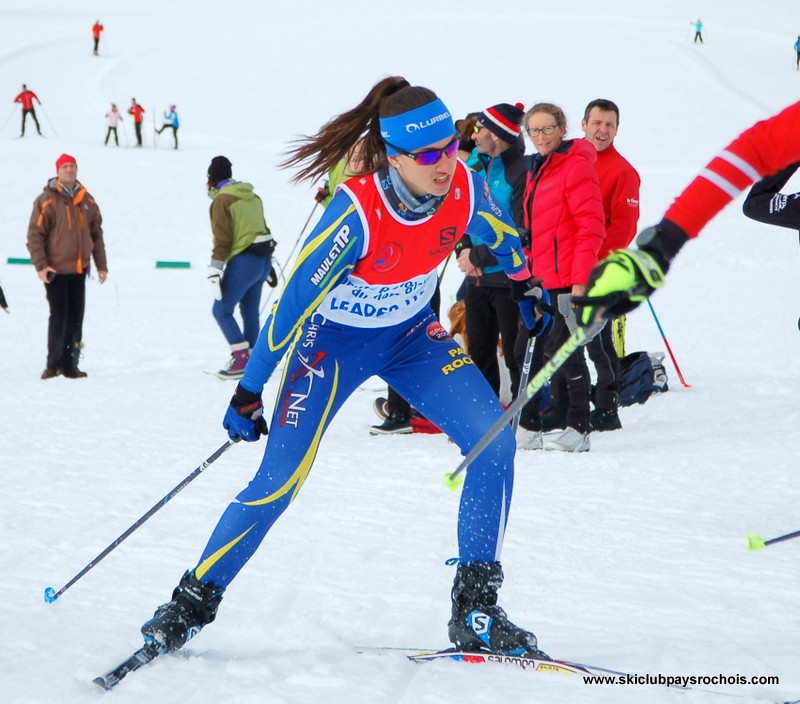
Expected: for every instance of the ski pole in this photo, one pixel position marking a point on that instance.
(756, 542)
(8, 119)
(50, 594)
(575, 341)
(47, 117)
(526, 374)
(666, 343)
(289, 258)
(444, 268)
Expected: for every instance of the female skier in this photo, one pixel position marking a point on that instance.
(357, 305)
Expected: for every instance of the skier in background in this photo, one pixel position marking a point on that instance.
(26, 98)
(114, 118)
(698, 31)
(797, 53)
(357, 305)
(171, 120)
(138, 118)
(3, 302)
(97, 30)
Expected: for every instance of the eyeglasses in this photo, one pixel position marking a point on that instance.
(478, 127)
(536, 131)
(429, 157)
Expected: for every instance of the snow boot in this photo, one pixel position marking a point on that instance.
(381, 407)
(240, 353)
(193, 605)
(398, 423)
(529, 439)
(570, 440)
(605, 419)
(477, 622)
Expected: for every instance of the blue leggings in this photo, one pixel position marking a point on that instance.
(241, 285)
(326, 364)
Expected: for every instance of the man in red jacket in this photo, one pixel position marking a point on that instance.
(619, 283)
(619, 186)
(26, 98)
(138, 118)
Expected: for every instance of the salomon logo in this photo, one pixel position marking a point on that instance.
(479, 622)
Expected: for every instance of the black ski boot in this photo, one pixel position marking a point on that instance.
(478, 623)
(193, 605)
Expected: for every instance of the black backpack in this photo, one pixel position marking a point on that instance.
(643, 374)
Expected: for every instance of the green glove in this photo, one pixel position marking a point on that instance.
(625, 278)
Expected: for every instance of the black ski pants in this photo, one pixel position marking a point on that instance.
(603, 354)
(66, 294)
(492, 313)
(570, 385)
(108, 134)
(32, 113)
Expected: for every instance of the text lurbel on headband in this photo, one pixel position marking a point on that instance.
(414, 126)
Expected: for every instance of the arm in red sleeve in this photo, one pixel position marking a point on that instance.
(763, 149)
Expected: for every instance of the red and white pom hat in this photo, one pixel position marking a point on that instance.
(503, 120)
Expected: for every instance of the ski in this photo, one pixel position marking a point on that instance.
(140, 658)
(520, 661)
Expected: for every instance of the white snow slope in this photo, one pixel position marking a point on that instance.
(631, 556)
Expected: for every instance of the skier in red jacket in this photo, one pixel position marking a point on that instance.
(26, 98)
(138, 118)
(97, 30)
(627, 277)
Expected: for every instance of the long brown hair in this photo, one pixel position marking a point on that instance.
(318, 154)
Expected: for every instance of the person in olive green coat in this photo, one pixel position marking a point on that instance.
(241, 260)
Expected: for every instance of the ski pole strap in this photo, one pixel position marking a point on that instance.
(576, 340)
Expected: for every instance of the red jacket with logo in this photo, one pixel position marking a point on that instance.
(619, 186)
(563, 210)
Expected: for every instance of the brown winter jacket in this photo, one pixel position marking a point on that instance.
(65, 231)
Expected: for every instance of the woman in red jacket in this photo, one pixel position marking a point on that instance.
(564, 214)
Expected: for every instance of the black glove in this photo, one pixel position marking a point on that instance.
(625, 278)
(272, 278)
(322, 193)
(245, 416)
(3, 303)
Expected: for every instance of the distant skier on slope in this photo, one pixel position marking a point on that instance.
(26, 98)
(357, 304)
(627, 277)
(97, 30)
(171, 120)
(698, 31)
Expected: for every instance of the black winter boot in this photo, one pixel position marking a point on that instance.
(477, 622)
(193, 605)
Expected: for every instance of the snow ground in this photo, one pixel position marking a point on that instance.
(631, 556)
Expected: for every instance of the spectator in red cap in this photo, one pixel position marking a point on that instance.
(65, 230)
(171, 120)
